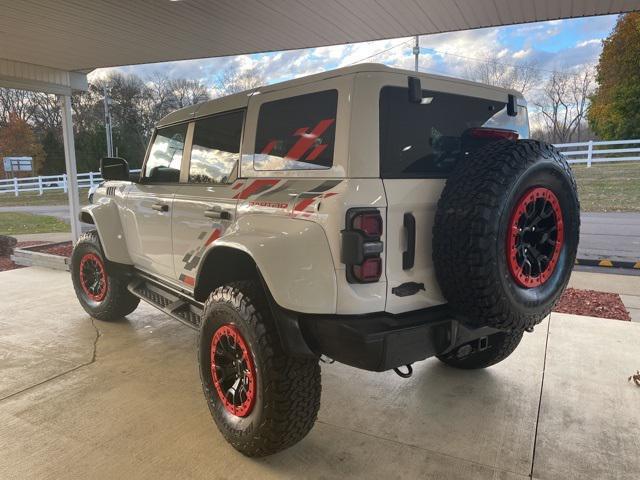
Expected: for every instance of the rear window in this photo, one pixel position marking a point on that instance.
(426, 140)
(297, 132)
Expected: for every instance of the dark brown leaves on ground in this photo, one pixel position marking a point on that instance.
(593, 304)
(63, 249)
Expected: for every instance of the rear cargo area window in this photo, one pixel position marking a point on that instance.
(426, 140)
(297, 132)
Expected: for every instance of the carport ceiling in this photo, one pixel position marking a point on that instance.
(79, 35)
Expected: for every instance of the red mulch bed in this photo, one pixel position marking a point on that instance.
(63, 250)
(593, 304)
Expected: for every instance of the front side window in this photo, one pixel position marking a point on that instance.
(297, 132)
(216, 148)
(426, 140)
(165, 158)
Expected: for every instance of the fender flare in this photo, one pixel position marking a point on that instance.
(291, 255)
(106, 218)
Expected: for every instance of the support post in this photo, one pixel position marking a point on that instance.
(70, 163)
(589, 153)
(40, 192)
(416, 50)
(15, 186)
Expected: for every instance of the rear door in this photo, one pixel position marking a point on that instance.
(204, 205)
(420, 143)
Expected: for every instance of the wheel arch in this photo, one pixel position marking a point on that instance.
(106, 218)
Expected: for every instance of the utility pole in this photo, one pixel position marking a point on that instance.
(416, 50)
(107, 122)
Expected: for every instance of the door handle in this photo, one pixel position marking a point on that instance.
(217, 213)
(409, 255)
(160, 207)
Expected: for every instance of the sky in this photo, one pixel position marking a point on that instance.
(559, 45)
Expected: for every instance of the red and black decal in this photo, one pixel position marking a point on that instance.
(256, 187)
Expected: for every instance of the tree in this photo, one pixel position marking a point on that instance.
(492, 71)
(562, 106)
(615, 106)
(231, 81)
(18, 140)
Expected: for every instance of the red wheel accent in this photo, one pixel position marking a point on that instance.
(232, 371)
(535, 237)
(93, 277)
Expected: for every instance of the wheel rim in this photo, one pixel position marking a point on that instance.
(233, 371)
(535, 238)
(93, 277)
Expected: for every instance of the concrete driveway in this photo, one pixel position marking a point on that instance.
(89, 399)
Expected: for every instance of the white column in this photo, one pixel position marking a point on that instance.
(70, 162)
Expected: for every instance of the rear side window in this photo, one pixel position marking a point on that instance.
(297, 132)
(426, 140)
(163, 164)
(216, 148)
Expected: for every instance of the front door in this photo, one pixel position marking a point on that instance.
(150, 204)
(205, 205)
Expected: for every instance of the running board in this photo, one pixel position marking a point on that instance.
(178, 306)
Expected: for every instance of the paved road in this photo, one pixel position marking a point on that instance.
(614, 236)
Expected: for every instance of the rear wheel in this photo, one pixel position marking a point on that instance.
(262, 400)
(101, 290)
(484, 352)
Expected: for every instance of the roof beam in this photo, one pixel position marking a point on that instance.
(38, 78)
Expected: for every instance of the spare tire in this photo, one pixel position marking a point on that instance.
(506, 233)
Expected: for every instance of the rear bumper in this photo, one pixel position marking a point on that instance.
(382, 341)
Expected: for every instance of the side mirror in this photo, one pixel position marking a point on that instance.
(114, 168)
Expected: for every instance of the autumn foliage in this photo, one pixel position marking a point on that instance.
(18, 140)
(615, 107)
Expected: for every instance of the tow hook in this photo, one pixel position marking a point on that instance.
(406, 374)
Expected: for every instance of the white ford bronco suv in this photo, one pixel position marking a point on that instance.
(369, 215)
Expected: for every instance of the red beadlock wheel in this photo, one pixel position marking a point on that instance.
(535, 237)
(93, 278)
(233, 371)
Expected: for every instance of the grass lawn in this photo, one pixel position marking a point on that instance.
(609, 187)
(56, 197)
(15, 223)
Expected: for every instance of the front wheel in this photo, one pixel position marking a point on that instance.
(101, 291)
(262, 400)
(484, 352)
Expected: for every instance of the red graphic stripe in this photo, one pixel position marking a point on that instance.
(213, 237)
(318, 149)
(303, 204)
(255, 187)
(237, 185)
(188, 280)
(307, 140)
(270, 146)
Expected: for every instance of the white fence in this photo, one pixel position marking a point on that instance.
(50, 182)
(582, 152)
(592, 152)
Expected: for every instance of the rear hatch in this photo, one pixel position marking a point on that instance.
(420, 143)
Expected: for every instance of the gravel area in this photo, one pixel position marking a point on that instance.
(593, 304)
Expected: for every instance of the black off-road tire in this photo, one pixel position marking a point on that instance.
(471, 226)
(288, 389)
(116, 302)
(473, 355)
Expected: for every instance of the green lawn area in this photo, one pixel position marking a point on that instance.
(14, 223)
(609, 187)
(55, 197)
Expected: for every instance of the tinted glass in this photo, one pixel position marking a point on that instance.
(427, 139)
(216, 148)
(163, 164)
(297, 132)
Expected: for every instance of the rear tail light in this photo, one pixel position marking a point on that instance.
(362, 245)
(493, 133)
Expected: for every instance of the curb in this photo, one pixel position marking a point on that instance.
(605, 262)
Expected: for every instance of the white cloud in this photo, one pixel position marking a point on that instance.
(593, 41)
(521, 53)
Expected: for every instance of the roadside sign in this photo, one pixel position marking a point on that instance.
(18, 164)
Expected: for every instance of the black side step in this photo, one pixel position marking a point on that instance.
(171, 302)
